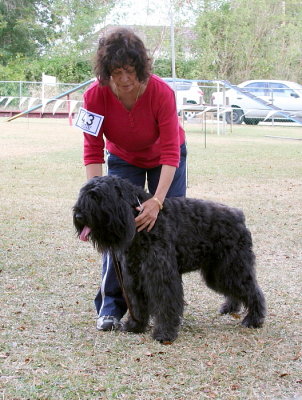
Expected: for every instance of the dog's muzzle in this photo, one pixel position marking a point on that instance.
(84, 235)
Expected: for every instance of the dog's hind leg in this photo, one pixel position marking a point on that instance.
(248, 293)
(255, 303)
(244, 287)
(246, 290)
(237, 282)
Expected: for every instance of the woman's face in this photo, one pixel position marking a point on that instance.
(125, 79)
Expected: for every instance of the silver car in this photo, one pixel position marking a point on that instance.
(285, 95)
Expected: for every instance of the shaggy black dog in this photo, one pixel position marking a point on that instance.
(189, 235)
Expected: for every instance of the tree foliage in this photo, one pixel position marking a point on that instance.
(248, 39)
(80, 21)
(50, 36)
(227, 39)
(25, 27)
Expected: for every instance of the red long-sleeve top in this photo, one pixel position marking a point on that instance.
(146, 136)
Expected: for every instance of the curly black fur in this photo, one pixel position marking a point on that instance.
(189, 235)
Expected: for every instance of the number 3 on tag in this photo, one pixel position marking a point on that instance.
(89, 122)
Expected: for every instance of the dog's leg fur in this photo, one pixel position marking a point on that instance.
(169, 310)
(255, 304)
(139, 321)
(158, 293)
(137, 325)
(163, 285)
(237, 282)
(230, 306)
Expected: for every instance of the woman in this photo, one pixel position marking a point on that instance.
(142, 136)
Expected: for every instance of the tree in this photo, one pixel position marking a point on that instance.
(80, 21)
(25, 26)
(248, 39)
(231, 39)
(34, 27)
(52, 36)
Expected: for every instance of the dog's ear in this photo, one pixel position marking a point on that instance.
(113, 213)
(93, 193)
(127, 193)
(114, 222)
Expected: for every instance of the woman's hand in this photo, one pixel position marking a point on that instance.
(149, 209)
(148, 214)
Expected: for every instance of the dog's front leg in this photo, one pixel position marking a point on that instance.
(138, 315)
(166, 304)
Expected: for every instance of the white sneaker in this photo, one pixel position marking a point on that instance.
(107, 323)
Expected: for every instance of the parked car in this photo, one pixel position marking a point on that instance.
(285, 95)
(186, 92)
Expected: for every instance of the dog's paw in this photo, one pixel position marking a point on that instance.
(133, 326)
(164, 338)
(230, 308)
(252, 322)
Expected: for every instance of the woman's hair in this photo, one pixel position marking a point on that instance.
(119, 48)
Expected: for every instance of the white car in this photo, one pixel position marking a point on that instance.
(285, 95)
(186, 92)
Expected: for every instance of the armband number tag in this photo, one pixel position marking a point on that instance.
(89, 122)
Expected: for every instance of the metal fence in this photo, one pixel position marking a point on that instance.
(207, 101)
(251, 102)
(22, 95)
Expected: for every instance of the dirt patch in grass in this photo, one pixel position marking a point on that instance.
(49, 346)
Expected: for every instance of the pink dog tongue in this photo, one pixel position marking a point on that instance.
(84, 234)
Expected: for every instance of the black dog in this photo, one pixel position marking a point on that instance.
(189, 235)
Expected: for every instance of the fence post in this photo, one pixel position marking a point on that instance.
(68, 109)
(218, 110)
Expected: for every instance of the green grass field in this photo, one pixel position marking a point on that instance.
(50, 349)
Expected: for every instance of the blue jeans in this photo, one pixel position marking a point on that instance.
(109, 299)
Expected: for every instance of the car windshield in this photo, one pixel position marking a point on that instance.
(257, 88)
(279, 89)
(269, 88)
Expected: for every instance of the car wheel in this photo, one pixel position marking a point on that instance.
(237, 115)
(189, 114)
(251, 121)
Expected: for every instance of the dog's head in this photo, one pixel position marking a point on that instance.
(104, 212)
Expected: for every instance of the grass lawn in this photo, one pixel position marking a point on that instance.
(50, 349)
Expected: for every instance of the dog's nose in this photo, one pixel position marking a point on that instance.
(79, 217)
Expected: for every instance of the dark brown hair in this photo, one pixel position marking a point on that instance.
(121, 47)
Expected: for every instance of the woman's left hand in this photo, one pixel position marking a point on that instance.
(148, 214)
